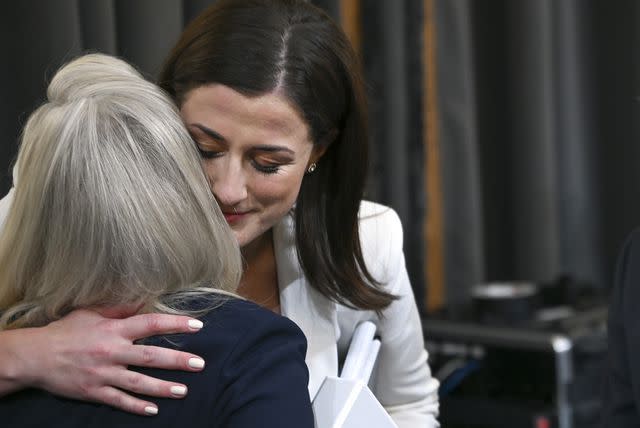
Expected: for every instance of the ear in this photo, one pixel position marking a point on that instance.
(316, 154)
(320, 148)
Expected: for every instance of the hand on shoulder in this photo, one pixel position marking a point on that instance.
(85, 356)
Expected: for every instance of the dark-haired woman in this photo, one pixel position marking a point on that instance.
(272, 96)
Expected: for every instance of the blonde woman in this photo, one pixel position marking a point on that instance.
(112, 208)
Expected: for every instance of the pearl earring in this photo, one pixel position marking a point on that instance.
(312, 168)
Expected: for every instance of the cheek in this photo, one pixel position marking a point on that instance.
(209, 171)
(280, 190)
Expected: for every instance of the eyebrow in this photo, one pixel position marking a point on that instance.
(210, 132)
(262, 147)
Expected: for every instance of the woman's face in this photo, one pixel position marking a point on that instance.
(255, 153)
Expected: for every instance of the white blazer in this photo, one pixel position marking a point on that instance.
(402, 380)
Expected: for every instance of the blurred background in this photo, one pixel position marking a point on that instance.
(503, 133)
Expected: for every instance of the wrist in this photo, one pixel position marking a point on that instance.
(17, 369)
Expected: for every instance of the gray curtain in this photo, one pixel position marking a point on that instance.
(460, 169)
(391, 55)
(538, 140)
(536, 101)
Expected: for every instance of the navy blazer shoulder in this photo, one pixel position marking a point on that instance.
(622, 383)
(255, 375)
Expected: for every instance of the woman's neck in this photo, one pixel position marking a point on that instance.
(256, 249)
(259, 281)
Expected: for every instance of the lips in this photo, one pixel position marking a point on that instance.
(233, 217)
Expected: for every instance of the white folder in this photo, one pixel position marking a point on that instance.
(347, 401)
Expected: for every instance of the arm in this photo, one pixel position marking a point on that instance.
(620, 409)
(85, 356)
(266, 378)
(402, 380)
(14, 344)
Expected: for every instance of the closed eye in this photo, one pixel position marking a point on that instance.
(207, 138)
(266, 168)
(209, 154)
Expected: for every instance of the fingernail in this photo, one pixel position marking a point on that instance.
(195, 324)
(180, 391)
(150, 410)
(196, 363)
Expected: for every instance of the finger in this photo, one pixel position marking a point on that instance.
(158, 357)
(140, 326)
(139, 383)
(123, 401)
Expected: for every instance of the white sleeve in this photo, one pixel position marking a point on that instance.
(5, 203)
(403, 381)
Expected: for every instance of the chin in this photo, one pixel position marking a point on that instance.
(246, 239)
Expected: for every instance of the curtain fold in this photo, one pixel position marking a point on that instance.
(531, 123)
(146, 30)
(579, 224)
(391, 46)
(460, 169)
(98, 26)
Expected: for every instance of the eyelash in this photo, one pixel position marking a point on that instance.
(208, 155)
(271, 169)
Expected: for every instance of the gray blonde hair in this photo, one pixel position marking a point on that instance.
(111, 204)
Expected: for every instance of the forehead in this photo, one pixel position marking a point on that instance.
(230, 112)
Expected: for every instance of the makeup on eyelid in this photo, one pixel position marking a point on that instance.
(267, 161)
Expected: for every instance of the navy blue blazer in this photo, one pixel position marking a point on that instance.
(622, 387)
(255, 376)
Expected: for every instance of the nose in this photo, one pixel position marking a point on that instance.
(228, 183)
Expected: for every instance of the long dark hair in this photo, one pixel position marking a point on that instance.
(258, 46)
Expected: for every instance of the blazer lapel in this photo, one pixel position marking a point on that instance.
(311, 311)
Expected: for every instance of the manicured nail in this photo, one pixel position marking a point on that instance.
(196, 363)
(180, 391)
(150, 410)
(195, 324)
